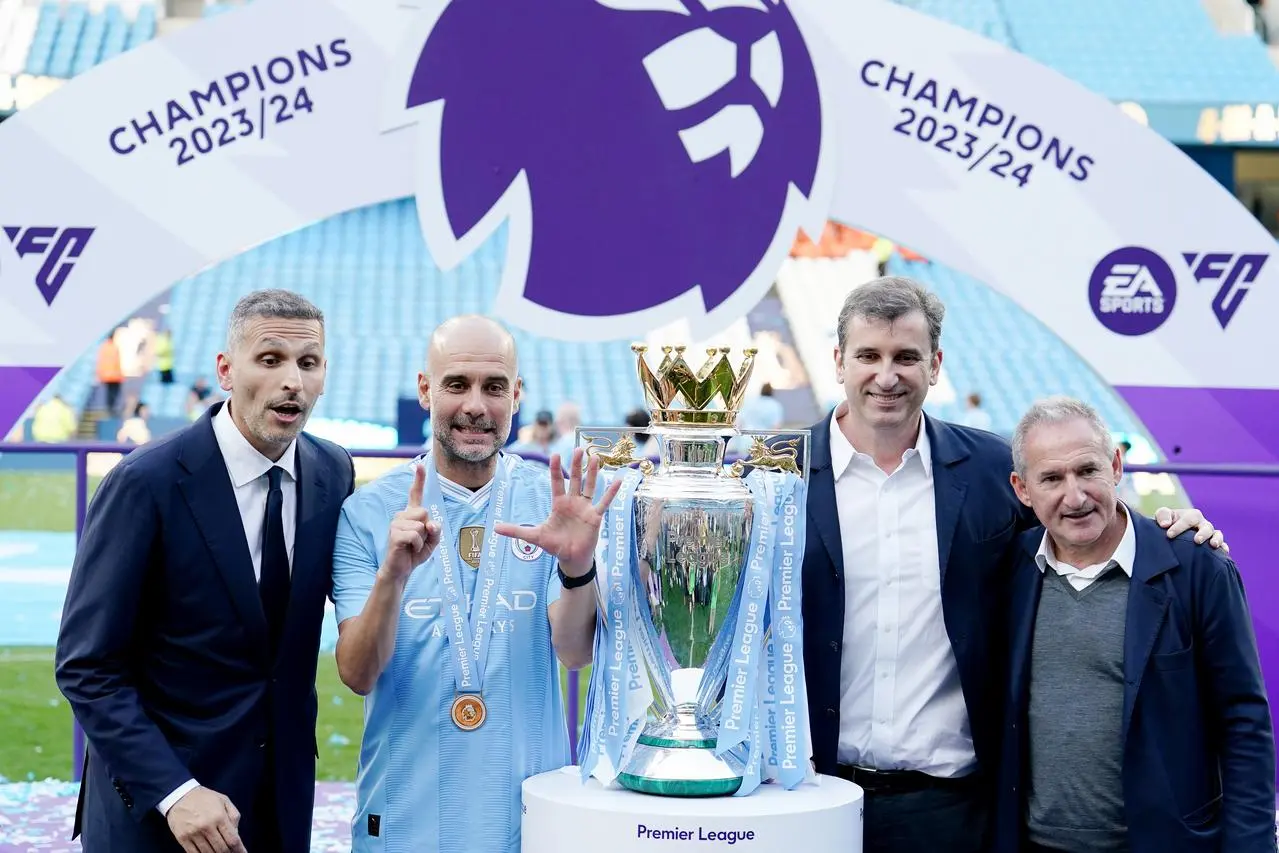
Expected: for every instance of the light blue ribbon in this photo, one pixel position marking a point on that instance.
(469, 647)
(738, 707)
(786, 663)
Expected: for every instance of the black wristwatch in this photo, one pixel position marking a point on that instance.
(573, 583)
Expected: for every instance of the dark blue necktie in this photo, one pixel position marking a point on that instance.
(273, 587)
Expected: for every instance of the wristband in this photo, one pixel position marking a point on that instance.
(573, 583)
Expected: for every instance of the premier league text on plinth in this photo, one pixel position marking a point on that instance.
(560, 813)
(698, 689)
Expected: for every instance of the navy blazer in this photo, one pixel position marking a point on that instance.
(978, 519)
(1198, 747)
(162, 651)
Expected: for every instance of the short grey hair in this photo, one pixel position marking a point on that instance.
(888, 299)
(1055, 410)
(276, 304)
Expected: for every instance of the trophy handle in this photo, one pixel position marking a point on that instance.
(782, 456)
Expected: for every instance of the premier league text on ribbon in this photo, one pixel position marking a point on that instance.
(752, 614)
(265, 95)
(619, 570)
(1014, 152)
(786, 641)
(722, 836)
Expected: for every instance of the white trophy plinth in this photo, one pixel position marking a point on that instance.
(562, 814)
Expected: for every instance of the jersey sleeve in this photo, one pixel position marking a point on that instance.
(355, 558)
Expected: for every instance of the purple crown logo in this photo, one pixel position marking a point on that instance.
(653, 159)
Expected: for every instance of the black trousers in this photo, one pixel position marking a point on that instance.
(918, 816)
(266, 817)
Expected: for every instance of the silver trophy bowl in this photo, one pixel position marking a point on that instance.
(693, 526)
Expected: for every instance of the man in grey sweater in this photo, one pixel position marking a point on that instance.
(1138, 717)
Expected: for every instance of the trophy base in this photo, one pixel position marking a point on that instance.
(676, 758)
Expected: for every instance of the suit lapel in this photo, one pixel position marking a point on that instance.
(1147, 606)
(210, 496)
(821, 498)
(950, 485)
(1028, 586)
(312, 500)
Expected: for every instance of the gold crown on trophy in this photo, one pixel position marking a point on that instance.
(677, 394)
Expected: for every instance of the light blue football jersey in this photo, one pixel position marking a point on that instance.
(424, 785)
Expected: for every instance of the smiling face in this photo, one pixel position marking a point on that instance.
(886, 368)
(472, 390)
(274, 371)
(1068, 478)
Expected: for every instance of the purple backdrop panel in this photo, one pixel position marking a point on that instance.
(18, 387)
(1238, 427)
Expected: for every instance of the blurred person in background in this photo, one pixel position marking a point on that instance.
(761, 411)
(645, 443)
(974, 415)
(191, 629)
(135, 430)
(568, 417)
(53, 422)
(162, 353)
(199, 398)
(1127, 489)
(110, 373)
(538, 437)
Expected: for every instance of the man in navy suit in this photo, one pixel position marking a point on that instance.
(191, 628)
(1138, 717)
(905, 590)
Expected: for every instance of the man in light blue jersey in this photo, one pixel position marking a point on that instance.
(459, 579)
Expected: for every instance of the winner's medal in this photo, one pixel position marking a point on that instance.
(468, 711)
(468, 633)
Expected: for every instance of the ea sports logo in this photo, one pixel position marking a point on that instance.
(1132, 291)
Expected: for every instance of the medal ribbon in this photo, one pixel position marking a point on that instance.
(470, 648)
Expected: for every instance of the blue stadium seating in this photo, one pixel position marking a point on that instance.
(371, 274)
(69, 39)
(981, 16)
(42, 42)
(1141, 50)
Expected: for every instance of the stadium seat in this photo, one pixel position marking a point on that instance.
(1140, 50)
(370, 272)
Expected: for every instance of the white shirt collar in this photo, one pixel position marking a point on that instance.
(842, 452)
(243, 461)
(1124, 557)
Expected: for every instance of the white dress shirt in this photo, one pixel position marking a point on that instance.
(247, 469)
(901, 706)
(1081, 578)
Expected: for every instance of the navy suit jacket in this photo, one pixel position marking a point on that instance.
(162, 651)
(978, 519)
(1198, 747)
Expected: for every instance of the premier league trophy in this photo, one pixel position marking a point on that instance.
(697, 688)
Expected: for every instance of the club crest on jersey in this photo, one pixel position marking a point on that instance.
(470, 545)
(526, 551)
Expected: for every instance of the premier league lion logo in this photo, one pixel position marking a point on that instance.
(653, 159)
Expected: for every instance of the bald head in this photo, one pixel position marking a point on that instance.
(470, 335)
(471, 387)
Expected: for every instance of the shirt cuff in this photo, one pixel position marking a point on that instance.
(172, 800)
